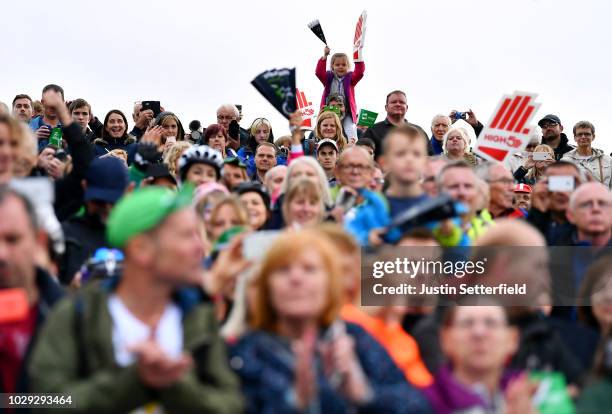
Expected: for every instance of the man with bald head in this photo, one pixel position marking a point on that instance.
(458, 180)
(590, 211)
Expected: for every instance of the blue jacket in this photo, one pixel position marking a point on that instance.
(35, 124)
(265, 364)
(248, 158)
(374, 213)
(371, 214)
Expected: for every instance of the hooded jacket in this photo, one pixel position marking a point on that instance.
(448, 396)
(598, 165)
(563, 147)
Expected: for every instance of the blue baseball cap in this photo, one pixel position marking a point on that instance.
(106, 178)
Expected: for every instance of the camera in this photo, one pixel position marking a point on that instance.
(194, 128)
(61, 155)
(460, 115)
(103, 264)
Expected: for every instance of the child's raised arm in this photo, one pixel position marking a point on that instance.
(320, 71)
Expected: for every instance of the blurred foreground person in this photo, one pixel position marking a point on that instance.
(300, 357)
(477, 341)
(20, 239)
(144, 338)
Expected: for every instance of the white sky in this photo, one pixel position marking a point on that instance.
(193, 56)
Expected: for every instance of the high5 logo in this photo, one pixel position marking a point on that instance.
(509, 128)
(359, 38)
(305, 107)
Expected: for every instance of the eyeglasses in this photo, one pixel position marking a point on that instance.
(354, 167)
(583, 134)
(546, 125)
(225, 118)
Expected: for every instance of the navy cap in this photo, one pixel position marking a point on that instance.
(160, 171)
(549, 118)
(106, 178)
(253, 187)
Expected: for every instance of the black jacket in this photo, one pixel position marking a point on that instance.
(541, 348)
(556, 234)
(379, 130)
(563, 147)
(84, 235)
(68, 191)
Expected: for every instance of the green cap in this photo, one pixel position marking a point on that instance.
(142, 211)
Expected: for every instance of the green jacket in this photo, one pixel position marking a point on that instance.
(74, 355)
(595, 398)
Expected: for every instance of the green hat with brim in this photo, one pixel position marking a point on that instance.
(143, 210)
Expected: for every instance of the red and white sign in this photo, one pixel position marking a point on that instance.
(305, 107)
(359, 37)
(509, 129)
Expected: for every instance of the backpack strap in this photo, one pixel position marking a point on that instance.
(78, 331)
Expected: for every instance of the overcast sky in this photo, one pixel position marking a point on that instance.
(193, 56)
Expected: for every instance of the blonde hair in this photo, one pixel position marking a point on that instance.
(282, 253)
(259, 122)
(173, 154)
(303, 187)
(339, 138)
(235, 204)
(464, 136)
(340, 56)
(533, 171)
(26, 151)
(282, 140)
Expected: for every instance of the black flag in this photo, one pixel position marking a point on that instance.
(316, 28)
(278, 87)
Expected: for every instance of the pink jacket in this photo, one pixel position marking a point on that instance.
(349, 81)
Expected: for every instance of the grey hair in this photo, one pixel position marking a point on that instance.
(229, 107)
(322, 178)
(433, 120)
(4, 109)
(483, 171)
(581, 188)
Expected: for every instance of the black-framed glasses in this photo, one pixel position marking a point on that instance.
(546, 125)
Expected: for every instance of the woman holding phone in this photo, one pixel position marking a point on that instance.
(299, 356)
(535, 165)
